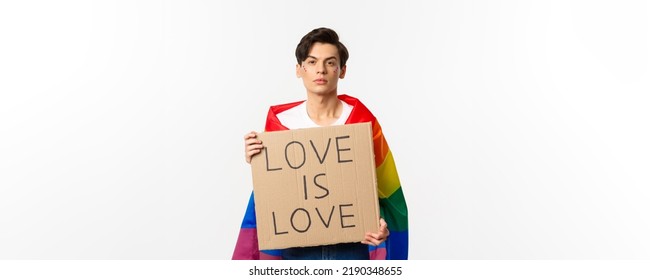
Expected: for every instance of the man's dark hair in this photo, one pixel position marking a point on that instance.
(320, 35)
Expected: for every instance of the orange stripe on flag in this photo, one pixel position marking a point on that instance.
(381, 147)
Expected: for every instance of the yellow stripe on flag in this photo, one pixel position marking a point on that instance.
(387, 178)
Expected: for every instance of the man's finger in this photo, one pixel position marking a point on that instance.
(251, 134)
(255, 146)
(252, 153)
(253, 141)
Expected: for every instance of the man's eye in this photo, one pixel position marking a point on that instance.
(330, 63)
(311, 62)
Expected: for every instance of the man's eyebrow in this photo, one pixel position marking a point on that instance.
(331, 57)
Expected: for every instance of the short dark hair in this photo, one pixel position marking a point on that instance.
(321, 35)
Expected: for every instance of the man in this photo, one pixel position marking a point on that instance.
(321, 61)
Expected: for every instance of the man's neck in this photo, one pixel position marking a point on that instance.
(323, 109)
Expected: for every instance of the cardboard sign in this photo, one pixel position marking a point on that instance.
(315, 186)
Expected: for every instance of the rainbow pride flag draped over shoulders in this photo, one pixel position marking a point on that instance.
(391, 199)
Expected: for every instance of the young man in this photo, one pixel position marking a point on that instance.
(321, 61)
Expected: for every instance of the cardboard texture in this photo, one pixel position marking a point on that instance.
(315, 186)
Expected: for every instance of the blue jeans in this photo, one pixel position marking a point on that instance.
(341, 251)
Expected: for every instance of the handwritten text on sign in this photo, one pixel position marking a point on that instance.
(315, 186)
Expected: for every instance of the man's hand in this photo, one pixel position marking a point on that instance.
(379, 237)
(252, 145)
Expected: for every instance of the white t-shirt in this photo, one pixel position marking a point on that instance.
(297, 117)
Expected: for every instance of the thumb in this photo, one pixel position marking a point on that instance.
(382, 223)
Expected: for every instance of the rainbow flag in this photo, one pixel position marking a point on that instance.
(391, 198)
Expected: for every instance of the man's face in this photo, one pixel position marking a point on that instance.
(321, 71)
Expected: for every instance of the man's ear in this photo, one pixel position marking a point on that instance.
(342, 74)
(298, 73)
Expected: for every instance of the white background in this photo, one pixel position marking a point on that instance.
(519, 128)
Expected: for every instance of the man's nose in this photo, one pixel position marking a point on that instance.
(321, 69)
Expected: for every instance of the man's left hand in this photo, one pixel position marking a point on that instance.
(379, 237)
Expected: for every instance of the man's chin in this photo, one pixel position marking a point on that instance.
(324, 92)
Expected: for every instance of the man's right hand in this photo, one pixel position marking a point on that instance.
(252, 145)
